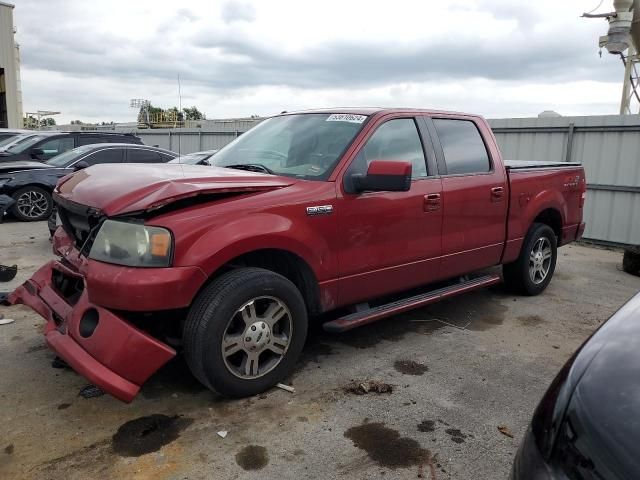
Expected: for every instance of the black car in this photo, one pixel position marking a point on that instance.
(31, 183)
(46, 145)
(587, 425)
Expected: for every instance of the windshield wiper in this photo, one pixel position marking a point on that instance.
(251, 167)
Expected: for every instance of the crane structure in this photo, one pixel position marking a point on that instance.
(624, 36)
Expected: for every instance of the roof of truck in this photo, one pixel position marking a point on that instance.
(376, 110)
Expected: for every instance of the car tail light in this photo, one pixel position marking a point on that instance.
(583, 195)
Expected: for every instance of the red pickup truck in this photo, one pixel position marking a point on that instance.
(307, 213)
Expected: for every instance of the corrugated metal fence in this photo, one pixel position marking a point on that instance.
(607, 146)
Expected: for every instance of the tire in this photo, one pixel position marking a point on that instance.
(32, 204)
(519, 276)
(217, 315)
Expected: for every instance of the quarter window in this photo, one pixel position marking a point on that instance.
(464, 150)
(394, 140)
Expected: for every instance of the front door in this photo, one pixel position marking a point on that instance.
(390, 241)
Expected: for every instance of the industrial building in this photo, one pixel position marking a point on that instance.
(10, 92)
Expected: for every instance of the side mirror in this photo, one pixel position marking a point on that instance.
(80, 165)
(384, 176)
(37, 153)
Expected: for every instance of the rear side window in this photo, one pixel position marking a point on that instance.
(464, 150)
(139, 155)
(111, 155)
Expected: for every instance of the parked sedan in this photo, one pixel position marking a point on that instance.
(11, 132)
(196, 158)
(31, 183)
(587, 425)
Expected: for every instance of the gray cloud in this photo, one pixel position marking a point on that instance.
(226, 58)
(234, 11)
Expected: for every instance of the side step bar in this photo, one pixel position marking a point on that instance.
(365, 317)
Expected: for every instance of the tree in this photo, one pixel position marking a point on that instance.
(48, 122)
(193, 113)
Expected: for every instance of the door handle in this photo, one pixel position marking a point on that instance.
(431, 202)
(496, 194)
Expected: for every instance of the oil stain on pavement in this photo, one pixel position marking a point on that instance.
(252, 457)
(147, 434)
(386, 447)
(409, 367)
(427, 426)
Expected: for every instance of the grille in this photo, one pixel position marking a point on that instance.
(79, 221)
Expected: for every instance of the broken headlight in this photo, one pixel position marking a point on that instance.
(132, 244)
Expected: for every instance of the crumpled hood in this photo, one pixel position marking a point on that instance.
(9, 167)
(119, 189)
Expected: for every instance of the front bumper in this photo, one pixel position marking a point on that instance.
(96, 342)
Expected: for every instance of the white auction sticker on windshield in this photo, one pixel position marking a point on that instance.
(346, 117)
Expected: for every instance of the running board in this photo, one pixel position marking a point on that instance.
(371, 315)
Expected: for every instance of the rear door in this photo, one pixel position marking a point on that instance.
(390, 241)
(474, 196)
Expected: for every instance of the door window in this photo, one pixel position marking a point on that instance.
(394, 140)
(464, 150)
(139, 155)
(110, 155)
(56, 146)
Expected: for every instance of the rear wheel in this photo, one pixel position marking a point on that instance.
(245, 332)
(532, 271)
(32, 204)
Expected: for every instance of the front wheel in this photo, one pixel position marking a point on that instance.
(531, 273)
(32, 204)
(245, 331)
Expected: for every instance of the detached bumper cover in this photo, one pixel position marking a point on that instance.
(115, 355)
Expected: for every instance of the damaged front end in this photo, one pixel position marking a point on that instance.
(98, 344)
(90, 332)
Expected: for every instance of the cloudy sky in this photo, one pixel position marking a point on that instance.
(243, 57)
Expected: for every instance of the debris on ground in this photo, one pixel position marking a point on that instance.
(8, 273)
(285, 387)
(5, 321)
(222, 433)
(4, 298)
(503, 429)
(371, 386)
(90, 391)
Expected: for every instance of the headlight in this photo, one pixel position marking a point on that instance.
(132, 244)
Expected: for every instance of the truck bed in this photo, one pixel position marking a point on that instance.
(522, 164)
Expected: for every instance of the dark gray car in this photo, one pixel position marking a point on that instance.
(30, 183)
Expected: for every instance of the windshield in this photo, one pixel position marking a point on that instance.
(68, 157)
(25, 144)
(12, 139)
(302, 145)
(191, 159)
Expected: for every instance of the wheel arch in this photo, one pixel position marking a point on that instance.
(551, 217)
(280, 261)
